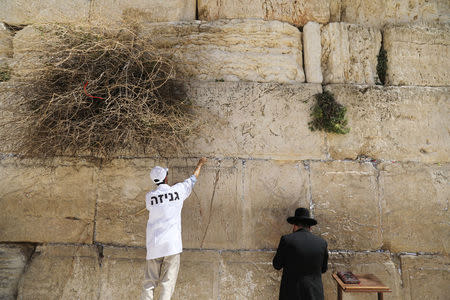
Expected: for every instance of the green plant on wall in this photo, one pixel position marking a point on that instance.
(328, 115)
(382, 66)
(5, 73)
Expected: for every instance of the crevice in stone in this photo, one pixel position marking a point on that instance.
(100, 253)
(14, 28)
(196, 11)
(216, 180)
(381, 64)
(29, 251)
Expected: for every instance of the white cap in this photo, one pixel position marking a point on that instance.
(158, 174)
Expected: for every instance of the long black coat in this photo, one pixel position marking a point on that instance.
(303, 257)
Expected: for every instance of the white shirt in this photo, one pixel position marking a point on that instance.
(164, 222)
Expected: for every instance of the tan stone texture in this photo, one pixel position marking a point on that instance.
(6, 46)
(346, 205)
(231, 50)
(106, 11)
(212, 217)
(393, 123)
(349, 53)
(415, 207)
(21, 12)
(379, 264)
(272, 192)
(425, 277)
(381, 12)
(312, 52)
(49, 201)
(418, 54)
(248, 275)
(294, 12)
(61, 272)
(256, 120)
(13, 259)
(122, 186)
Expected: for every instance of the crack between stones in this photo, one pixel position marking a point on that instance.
(216, 179)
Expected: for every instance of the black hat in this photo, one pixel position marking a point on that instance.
(302, 217)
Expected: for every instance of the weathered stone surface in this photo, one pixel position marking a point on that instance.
(13, 259)
(61, 272)
(142, 10)
(418, 55)
(20, 12)
(248, 275)
(379, 264)
(231, 50)
(122, 187)
(6, 46)
(212, 217)
(346, 206)
(272, 192)
(415, 207)
(393, 123)
(26, 45)
(312, 52)
(294, 12)
(425, 277)
(349, 53)
(380, 12)
(51, 201)
(256, 120)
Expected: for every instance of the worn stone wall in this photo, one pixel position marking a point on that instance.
(68, 228)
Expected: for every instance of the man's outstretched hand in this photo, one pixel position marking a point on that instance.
(200, 163)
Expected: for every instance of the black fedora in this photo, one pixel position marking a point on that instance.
(302, 217)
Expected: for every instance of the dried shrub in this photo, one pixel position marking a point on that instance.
(98, 92)
(328, 115)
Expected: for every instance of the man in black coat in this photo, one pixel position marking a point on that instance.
(303, 257)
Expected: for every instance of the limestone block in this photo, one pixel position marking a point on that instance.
(50, 201)
(255, 120)
(272, 192)
(312, 52)
(26, 45)
(13, 259)
(346, 206)
(349, 53)
(425, 276)
(379, 264)
(212, 217)
(380, 12)
(61, 272)
(122, 186)
(393, 123)
(294, 12)
(248, 275)
(142, 10)
(122, 273)
(415, 219)
(20, 12)
(231, 50)
(6, 46)
(418, 55)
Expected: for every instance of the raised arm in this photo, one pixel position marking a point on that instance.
(200, 163)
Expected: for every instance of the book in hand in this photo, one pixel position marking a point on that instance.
(348, 277)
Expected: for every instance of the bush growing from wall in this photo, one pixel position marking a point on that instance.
(328, 115)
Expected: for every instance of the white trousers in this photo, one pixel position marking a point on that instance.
(161, 271)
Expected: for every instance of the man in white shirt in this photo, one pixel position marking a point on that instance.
(164, 243)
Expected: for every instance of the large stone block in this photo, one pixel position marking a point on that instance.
(272, 192)
(122, 187)
(256, 120)
(294, 12)
(106, 11)
(349, 53)
(20, 12)
(231, 50)
(346, 205)
(248, 275)
(13, 259)
(414, 202)
(417, 54)
(380, 12)
(379, 264)
(61, 272)
(50, 201)
(425, 277)
(393, 123)
(312, 52)
(212, 217)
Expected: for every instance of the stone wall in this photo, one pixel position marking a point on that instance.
(68, 228)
